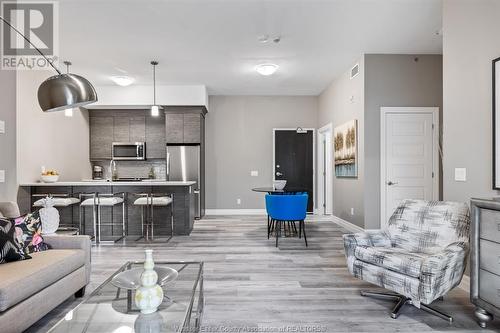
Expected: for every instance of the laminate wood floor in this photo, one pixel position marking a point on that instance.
(250, 284)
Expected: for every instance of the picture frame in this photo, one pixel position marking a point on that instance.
(345, 141)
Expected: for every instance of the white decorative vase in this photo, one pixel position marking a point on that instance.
(149, 323)
(49, 216)
(149, 295)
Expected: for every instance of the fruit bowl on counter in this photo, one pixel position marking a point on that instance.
(50, 176)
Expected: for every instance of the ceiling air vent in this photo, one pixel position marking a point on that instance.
(354, 71)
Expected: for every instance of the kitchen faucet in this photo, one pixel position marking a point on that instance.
(112, 170)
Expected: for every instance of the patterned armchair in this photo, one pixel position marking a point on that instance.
(420, 256)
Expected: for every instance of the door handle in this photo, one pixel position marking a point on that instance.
(390, 183)
(279, 174)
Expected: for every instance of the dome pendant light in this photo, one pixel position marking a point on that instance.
(155, 109)
(69, 111)
(61, 91)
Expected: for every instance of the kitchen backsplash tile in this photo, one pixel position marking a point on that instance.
(136, 169)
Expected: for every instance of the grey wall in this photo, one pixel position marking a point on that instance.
(470, 43)
(8, 190)
(393, 80)
(384, 80)
(239, 139)
(338, 103)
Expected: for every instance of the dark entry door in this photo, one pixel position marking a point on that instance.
(293, 151)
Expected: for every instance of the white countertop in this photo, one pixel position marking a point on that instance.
(107, 183)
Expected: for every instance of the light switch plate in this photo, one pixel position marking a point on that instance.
(254, 173)
(2, 127)
(460, 174)
(2, 176)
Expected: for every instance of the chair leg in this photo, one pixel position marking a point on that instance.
(402, 301)
(300, 229)
(380, 295)
(277, 230)
(99, 223)
(396, 311)
(268, 226)
(152, 222)
(304, 231)
(435, 312)
(142, 224)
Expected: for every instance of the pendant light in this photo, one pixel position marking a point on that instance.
(155, 109)
(69, 111)
(61, 91)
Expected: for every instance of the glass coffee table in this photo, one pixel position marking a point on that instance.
(111, 309)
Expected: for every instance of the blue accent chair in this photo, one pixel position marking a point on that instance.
(283, 208)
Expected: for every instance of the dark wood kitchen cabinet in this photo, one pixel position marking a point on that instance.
(101, 137)
(174, 123)
(183, 127)
(155, 137)
(192, 128)
(137, 126)
(121, 129)
(129, 129)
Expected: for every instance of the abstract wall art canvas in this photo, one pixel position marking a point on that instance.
(345, 139)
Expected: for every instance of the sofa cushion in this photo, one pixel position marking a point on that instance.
(21, 279)
(9, 209)
(392, 258)
(29, 232)
(10, 247)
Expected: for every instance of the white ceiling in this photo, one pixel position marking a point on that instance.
(214, 42)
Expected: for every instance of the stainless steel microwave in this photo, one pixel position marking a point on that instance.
(135, 151)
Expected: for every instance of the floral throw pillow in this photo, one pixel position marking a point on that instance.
(29, 232)
(10, 248)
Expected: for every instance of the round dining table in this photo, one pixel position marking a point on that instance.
(286, 190)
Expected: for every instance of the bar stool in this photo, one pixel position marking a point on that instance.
(61, 200)
(97, 201)
(147, 202)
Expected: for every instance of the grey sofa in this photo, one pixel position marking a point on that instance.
(29, 289)
(419, 257)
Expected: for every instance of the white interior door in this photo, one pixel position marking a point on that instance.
(409, 157)
(325, 170)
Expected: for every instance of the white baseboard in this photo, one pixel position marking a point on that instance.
(465, 284)
(348, 225)
(235, 212)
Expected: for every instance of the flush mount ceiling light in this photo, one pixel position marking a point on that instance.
(155, 109)
(266, 69)
(123, 80)
(263, 39)
(61, 91)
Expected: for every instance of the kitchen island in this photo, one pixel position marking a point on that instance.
(183, 203)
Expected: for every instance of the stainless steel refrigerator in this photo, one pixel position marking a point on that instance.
(184, 164)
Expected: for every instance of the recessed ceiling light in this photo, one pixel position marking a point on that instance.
(123, 80)
(266, 69)
(263, 38)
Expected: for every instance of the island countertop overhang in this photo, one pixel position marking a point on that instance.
(112, 183)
